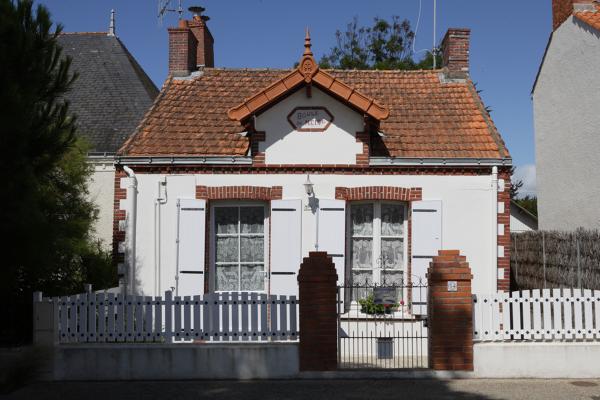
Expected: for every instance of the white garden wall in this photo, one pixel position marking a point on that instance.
(174, 362)
(468, 204)
(575, 360)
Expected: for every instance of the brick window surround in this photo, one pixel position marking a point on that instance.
(378, 193)
(392, 193)
(264, 193)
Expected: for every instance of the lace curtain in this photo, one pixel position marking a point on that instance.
(239, 248)
(389, 240)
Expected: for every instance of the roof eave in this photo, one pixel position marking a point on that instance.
(439, 161)
(183, 160)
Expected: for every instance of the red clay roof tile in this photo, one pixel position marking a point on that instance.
(427, 118)
(592, 18)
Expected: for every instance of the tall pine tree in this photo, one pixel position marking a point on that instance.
(46, 217)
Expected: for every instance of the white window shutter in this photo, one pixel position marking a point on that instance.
(191, 231)
(286, 246)
(332, 233)
(426, 241)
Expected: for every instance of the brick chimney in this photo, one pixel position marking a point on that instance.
(190, 45)
(562, 9)
(455, 51)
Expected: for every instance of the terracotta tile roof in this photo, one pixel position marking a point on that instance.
(427, 118)
(592, 18)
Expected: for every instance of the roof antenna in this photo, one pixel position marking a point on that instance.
(433, 48)
(164, 6)
(111, 27)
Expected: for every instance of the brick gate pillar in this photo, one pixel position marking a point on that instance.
(318, 313)
(450, 312)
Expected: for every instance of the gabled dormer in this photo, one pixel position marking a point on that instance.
(309, 117)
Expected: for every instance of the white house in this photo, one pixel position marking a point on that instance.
(234, 175)
(566, 95)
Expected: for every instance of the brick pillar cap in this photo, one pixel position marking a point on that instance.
(318, 266)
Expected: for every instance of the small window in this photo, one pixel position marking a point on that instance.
(377, 243)
(239, 237)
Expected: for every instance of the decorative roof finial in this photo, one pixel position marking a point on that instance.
(307, 50)
(111, 27)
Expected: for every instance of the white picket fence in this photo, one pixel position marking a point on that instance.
(106, 317)
(539, 315)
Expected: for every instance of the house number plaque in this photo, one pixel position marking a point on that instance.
(310, 119)
(452, 286)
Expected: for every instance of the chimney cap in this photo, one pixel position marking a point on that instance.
(196, 10)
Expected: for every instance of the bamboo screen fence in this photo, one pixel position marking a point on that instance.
(552, 259)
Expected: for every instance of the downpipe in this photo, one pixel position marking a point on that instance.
(158, 202)
(494, 260)
(130, 287)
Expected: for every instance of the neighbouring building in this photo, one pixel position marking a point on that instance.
(109, 99)
(521, 220)
(566, 98)
(234, 175)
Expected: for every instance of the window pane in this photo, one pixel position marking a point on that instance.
(362, 278)
(227, 277)
(392, 253)
(226, 219)
(362, 282)
(362, 219)
(362, 253)
(252, 249)
(392, 219)
(253, 277)
(252, 219)
(227, 249)
(391, 278)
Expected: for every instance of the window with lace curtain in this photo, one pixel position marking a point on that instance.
(239, 247)
(377, 243)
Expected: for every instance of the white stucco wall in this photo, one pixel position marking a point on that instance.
(284, 145)
(468, 203)
(517, 225)
(566, 104)
(101, 188)
(573, 360)
(520, 221)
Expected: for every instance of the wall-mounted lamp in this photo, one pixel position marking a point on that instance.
(308, 186)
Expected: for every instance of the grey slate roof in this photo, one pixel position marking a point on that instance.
(112, 92)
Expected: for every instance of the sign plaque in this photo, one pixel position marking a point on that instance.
(310, 119)
(384, 295)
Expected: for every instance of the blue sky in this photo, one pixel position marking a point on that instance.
(507, 42)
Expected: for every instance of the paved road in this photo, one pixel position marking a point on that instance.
(316, 390)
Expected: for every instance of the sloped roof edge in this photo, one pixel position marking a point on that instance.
(307, 73)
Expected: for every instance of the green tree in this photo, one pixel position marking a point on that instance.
(46, 218)
(384, 45)
(515, 184)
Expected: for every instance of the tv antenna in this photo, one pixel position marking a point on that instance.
(434, 50)
(166, 6)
